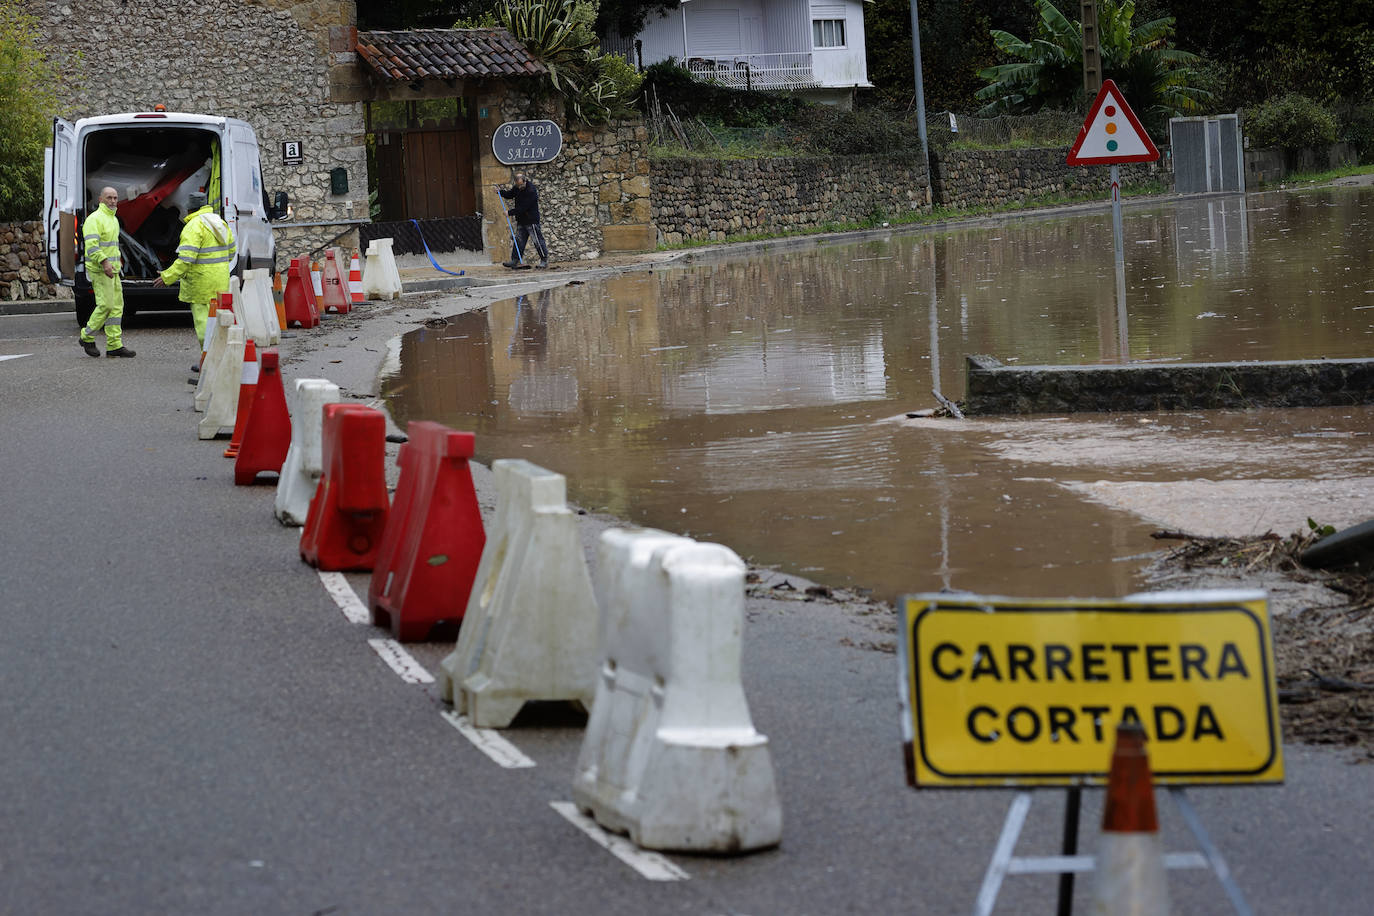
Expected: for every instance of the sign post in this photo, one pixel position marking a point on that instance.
(1001, 692)
(1111, 134)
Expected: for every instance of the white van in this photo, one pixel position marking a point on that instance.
(154, 159)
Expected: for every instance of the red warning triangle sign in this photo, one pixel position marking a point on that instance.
(1111, 134)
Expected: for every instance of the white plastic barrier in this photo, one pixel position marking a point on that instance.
(218, 336)
(381, 279)
(258, 308)
(304, 465)
(671, 756)
(223, 405)
(529, 630)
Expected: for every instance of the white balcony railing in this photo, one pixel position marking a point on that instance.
(788, 70)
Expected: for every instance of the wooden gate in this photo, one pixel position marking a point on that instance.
(425, 170)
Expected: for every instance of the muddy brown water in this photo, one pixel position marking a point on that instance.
(760, 401)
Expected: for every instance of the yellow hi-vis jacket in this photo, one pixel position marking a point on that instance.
(100, 237)
(204, 254)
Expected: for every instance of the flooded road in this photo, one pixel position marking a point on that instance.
(761, 401)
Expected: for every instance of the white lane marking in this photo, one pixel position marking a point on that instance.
(488, 742)
(401, 661)
(345, 597)
(15, 356)
(650, 865)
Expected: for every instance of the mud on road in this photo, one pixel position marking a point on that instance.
(1323, 624)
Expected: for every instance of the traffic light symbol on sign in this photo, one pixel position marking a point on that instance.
(1111, 133)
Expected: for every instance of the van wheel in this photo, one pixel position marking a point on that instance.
(85, 304)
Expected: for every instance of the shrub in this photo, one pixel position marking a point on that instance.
(847, 133)
(673, 85)
(27, 104)
(1357, 129)
(1291, 122)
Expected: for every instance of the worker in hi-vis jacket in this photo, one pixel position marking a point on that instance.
(204, 254)
(100, 244)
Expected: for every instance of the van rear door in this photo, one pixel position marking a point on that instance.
(59, 209)
(246, 205)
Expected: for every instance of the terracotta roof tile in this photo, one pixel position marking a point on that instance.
(446, 54)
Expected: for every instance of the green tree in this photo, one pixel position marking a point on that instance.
(393, 15)
(1047, 71)
(28, 102)
(1323, 49)
(956, 43)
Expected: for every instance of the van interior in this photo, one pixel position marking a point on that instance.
(154, 170)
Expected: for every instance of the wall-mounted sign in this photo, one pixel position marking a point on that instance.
(526, 142)
(291, 152)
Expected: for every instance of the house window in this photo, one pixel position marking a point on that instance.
(827, 33)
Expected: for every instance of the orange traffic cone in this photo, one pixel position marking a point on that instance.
(1130, 873)
(355, 279)
(267, 432)
(209, 327)
(248, 386)
(279, 298)
(335, 295)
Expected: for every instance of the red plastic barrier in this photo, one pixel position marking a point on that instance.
(248, 384)
(433, 542)
(348, 514)
(335, 286)
(299, 296)
(267, 433)
(135, 211)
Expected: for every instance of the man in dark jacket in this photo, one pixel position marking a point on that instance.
(526, 212)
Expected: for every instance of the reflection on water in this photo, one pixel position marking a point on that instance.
(740, 401)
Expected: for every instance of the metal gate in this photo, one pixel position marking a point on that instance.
(1208, 154)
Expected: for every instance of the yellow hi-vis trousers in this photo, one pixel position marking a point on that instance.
(109, 310)
(200, 314)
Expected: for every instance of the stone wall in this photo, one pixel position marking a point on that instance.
(272, 63)
(965, 179)
(23, 270)
(997, 389)
(592, 198)
(703, 199)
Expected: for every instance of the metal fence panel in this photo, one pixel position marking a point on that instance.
(1207, 154)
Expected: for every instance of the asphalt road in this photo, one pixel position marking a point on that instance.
(189, 724)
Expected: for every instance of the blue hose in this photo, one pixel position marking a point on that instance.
(431, 255)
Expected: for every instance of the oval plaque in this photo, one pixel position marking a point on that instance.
(526, 142)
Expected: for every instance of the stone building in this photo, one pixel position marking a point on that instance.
(276, 64)
(329, 105)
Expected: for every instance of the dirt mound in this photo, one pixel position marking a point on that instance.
(1323, 625)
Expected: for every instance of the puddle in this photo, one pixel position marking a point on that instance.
(761, 401)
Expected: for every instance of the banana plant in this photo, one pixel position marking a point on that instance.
(1047, 71)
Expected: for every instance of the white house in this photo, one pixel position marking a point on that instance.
(814, 47)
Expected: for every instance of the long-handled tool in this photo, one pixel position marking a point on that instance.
(514, 241)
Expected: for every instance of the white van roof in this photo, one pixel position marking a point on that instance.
(150, 118)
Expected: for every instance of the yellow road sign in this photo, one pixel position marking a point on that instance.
(1002, 692)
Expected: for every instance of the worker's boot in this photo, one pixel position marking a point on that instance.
(119, 352)
(90, 348)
